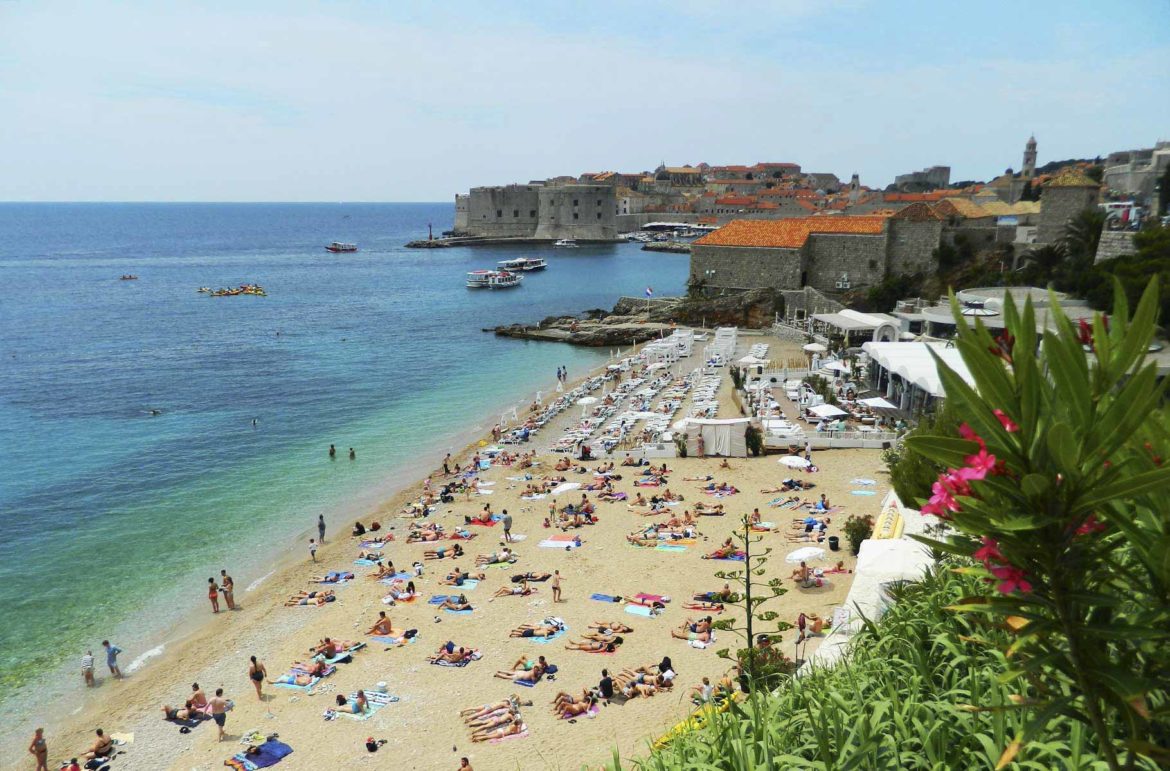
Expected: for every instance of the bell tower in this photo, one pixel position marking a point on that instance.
(1029, 170)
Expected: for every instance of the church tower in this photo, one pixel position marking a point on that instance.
(1029, 170)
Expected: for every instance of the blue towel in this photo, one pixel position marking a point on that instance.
(365, 562)
(270, 753)
(670, 547)
(549, 639)
(439, 599)
(604, 598)
(458, 612)
(862, 492)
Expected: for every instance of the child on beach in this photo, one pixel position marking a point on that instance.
(313, 548)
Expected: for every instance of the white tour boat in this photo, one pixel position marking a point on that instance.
(493, 279)
(566, 243)
(478, 279)
(523, 264)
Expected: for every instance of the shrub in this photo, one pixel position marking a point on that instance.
(857, 529)
(754, 439)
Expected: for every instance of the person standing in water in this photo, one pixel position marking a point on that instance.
(213, 595)
(87, 669)
(228, 587)
(313, 548)
(257, 673)
(321, 528)
(112, 652)
(332, 451)
(352, 454)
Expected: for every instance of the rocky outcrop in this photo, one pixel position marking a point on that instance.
(634, 320)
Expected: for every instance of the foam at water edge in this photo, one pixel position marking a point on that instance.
(255, 584)
(137, 663)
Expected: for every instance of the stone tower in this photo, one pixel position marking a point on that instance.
(1064, 197)
(1030, 158)
(854, 187)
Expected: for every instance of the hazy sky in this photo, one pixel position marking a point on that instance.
(400, 101)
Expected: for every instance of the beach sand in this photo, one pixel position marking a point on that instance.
(423, 729)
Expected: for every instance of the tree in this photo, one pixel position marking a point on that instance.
(911, 472)
(761, 665)
(1082, 234)
(1043, 263)
(1026, 193)
(1095, 173)
(1055, 488)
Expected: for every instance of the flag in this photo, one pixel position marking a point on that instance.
(649, 292)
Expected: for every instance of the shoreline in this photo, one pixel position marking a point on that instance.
(178, 640)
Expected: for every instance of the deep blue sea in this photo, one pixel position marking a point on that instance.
(111, 518)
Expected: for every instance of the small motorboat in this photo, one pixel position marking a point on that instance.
(565, 243)
(338, 246)
(128, 277)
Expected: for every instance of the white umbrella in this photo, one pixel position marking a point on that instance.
(794, 461)
(836, 366)
(587, 400)
(815, 348)
(750, 360)
(805, 554)
(565, 487)
(878, 402)
(827, 411)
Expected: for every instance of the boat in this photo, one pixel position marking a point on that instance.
(252, 289)
(204, 289)
(338, 246)
(128, 277)
(493, 279)
(566, 243)
(523, 264)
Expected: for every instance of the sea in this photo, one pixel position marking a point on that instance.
(152, 435)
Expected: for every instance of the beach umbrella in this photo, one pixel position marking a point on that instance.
(877, 402)
(794, 461)
(815, 348)
(585, 401)
(836, 366)
(805, 554)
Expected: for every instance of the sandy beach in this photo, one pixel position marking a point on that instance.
(423, 729)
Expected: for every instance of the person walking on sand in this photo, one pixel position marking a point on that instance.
(556, 586)
(313, 548)
(257, 673)
(219, 711)
(228, 587)
(112, 652)
(40, 750)
(321, 527)
(87, 669)
(506, 519)
(213, 595)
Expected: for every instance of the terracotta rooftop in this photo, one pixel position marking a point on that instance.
(681, 170)
(917, 212)
(962, 207)
(735, 200)
(789, 233)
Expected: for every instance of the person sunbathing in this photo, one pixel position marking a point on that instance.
(670, 497)
(382, 571)
(610, 627)
(531, 576)
(594, 646)
(355, 706)
(521, 590)
(402, 593)
(317, 668)
(511, 729)
(723, 595)
(382, 627)
(535, 630)
(457, 577)
(484, 519)
(457, 603)
(723, 552)
(496, 557)
(295, 678)
(444, 552)
(102, 747)
(503, 717)
(451, 654)
(424, 535)
(705, 478)
(635, 690)
(334, 577)
(531, 676)
(472, 713)
(564, 464)
(703, 637)
(600, 636)
(567, 710)
(310, 598)
(708, 510)
(639, 539)
(639, 501)
(707, 607)
(185, 713)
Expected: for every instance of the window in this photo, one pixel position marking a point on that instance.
(576, 216)
(599, 202)
(532, 212)
(575, 202)
(515, 212)
(598, 215)
(499, 213)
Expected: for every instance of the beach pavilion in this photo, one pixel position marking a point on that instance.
(906, 374)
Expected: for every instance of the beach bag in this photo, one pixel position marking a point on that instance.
(371, 745)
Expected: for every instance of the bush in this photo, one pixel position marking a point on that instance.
(754, 439)
(911, 472)
(857, 529)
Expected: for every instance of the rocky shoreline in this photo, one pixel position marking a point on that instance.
(633, 320)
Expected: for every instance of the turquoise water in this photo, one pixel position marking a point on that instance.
(113, 518)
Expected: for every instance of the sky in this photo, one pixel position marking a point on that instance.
(398, 101)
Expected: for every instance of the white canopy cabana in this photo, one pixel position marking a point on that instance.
(877, 402)
(914, 363)
(827, 411)
(720, 437)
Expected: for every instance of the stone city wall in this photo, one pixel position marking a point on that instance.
(1058, 205)
(911, 246)
(737, 267)
(510, 211)
(833, 255)
(583, 212)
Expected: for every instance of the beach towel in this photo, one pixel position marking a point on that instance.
(549, 543)
(863, 482)
(365, 562)
(344, 657)
(459, 612)
(543, 640)
(670, 547)
(396, 577)
(515, 537)
(393, 640)
(372, 705)
(640, 610)
(537, 497)
(862, 492)
(268, 754)
(652, 597)
(605, 598)
(375, 544)
(565, 487)
(523, 733)
(190, 722)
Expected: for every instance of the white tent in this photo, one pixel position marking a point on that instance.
(877, 402)
(720, 437)
(827, 411)
(913, 363)
(752, 360)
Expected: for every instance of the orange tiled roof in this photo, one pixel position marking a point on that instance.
(917, 212)
(789, 233)
(805, 204)
(1071, 177)
(735, 200)
(961, 207)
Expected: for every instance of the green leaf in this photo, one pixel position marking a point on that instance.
(1124, 488)
(1064, 446)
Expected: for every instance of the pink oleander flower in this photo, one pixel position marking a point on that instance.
(968, 433)
(989, 552)
(1091, 525)
(979, 465)
(1011, 579)
(1006, 422)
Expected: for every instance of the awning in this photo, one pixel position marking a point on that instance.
(877, 402)
(827, 411)
(914, 363)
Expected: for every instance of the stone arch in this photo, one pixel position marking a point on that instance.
(886, 333)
